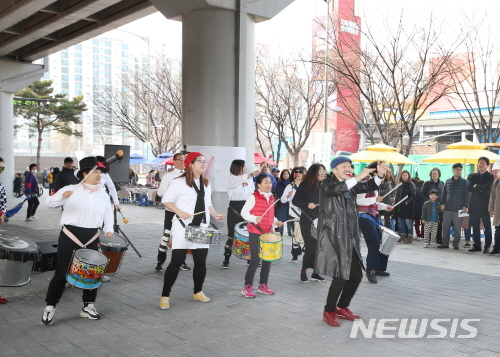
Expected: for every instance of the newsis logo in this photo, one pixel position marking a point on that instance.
(415, 328)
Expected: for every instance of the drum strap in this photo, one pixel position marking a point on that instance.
(77, 241)
(184, 225)
(255, 225)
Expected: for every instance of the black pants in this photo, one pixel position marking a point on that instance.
(309, 243)
(341, 291)
(439, 235)
(254, 262)
(232, 220)
(33, 203)
(475, 223)
(199, 270)
(65, 250)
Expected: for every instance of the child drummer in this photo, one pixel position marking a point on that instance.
(86, 209)
(259, 211)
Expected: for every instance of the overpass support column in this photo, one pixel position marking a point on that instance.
(7, 139)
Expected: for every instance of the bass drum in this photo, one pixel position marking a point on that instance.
(241, 241)
(17, 257)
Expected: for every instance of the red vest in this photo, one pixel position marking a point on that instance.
(260, 207)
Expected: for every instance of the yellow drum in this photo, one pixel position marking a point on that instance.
(271, 247)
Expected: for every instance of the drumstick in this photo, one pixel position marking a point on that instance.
(395, 188)
(124, 219)
(194, 214)
(400, 201)
(270, 208)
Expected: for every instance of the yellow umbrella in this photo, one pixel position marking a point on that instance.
(464, 152)
(381, 152)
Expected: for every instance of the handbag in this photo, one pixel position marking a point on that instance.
(297, 233)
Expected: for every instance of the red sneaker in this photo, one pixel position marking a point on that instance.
(346, 314)
(331, 319)
(3, 300)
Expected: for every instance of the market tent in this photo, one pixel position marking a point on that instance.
(136, 159)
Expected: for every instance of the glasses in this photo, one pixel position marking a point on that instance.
(203, 162)
(179, 159)
(322, 171)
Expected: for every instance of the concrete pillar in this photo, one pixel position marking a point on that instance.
(7, 138)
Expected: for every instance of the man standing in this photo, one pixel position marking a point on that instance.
(169, 215)
(276, 173)
(494, 210)
(338, 251)
(455, 197)
(44, 177)
(66, 176)
(480, 187)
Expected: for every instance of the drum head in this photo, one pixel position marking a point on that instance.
(91, 257)
(115, 244)
(270, 237)
(241, 229)
(16, 244)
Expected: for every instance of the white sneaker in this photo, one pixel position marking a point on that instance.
(34, 218)
(48, 315)
(30, 219)
(90, 312)
(427, 246)
(106, 278)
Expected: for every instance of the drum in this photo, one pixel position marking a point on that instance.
(389, 240)
(241, 242)
(114, 249)
(271, 247)
(17, 257)
(87, 269)
(202, 235)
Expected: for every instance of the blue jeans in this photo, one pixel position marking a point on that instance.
(406, 226)
(374, 260)
(475, 223)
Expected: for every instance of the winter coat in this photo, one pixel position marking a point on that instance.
(338, 230)
(281, 208)
(480, 195)
(419, 201)
(405, 209)
(303, 196)
(65, 177)
(494, 202)
(31, 185)
(431, 185)
(385, 187)
(455, 194)
(427, 211)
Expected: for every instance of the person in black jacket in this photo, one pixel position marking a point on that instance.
(419, 203)
(480, 188)
(434, 184)
(307, 199)
(66, 176)
(455, 197)
(405, 210)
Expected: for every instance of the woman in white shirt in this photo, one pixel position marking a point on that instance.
(294, 211)
(188, 194)
(240, 185)
(86, 209)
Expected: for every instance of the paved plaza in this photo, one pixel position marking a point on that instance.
(424, 284)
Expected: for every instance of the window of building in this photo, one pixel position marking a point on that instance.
(95, 57)
(78, 77)
(65, 77)
(95, 41)
(65, 91)
(96, 95)
(107, 66)
(64, 62)
(64, 70)
(107, 58)
(124, 53)
(124, 46)
(107, 73)
(78, 85)
(96, 80)
(78, 47)
(125, 68)
(78, 54)
(64, 54)
(95, 65)
(125, 60)
(65, 85)
(78, 69)
(78, 92)
(78, 62)
(107, 51)
(96, 87)
(96, 72)
(107, 80)
(107, 43)
(95, 49)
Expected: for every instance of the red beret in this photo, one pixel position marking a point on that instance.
(190, 158)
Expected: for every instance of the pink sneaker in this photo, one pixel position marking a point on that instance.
(264, 289)
(248, 291)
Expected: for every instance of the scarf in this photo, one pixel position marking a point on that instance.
(200, 204)
(91, 188)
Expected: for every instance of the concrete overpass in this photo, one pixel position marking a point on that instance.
(218, 58)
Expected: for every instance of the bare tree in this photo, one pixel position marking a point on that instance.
(289, 97)
(398, 76)
(476, 82)
(148, 105)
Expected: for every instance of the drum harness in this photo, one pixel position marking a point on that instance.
(77, 241)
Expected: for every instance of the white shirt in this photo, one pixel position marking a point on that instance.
(239, 187)
(83, 208)
(106, 180)
(166, 179)
(284, 199)
(250, 203)
(362, 200)
(184, 198)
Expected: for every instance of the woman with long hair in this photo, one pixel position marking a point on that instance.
(240, 185)
(282, 208)
(307, 199)
(294, 211)
(405, 210)
(187, 196)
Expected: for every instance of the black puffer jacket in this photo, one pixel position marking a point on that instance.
(431, 185)
(338, 230)
(480, 195)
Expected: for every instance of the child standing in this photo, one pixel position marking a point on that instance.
(430, 217)
(254, 211)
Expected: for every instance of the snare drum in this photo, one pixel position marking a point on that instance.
(114, 249)
(87, 269)
(241, 242)
(271, 247)
(389, 240)
(17, 257)
(202, 235)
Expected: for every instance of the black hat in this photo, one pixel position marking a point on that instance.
(88, 163)
(433, 192)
